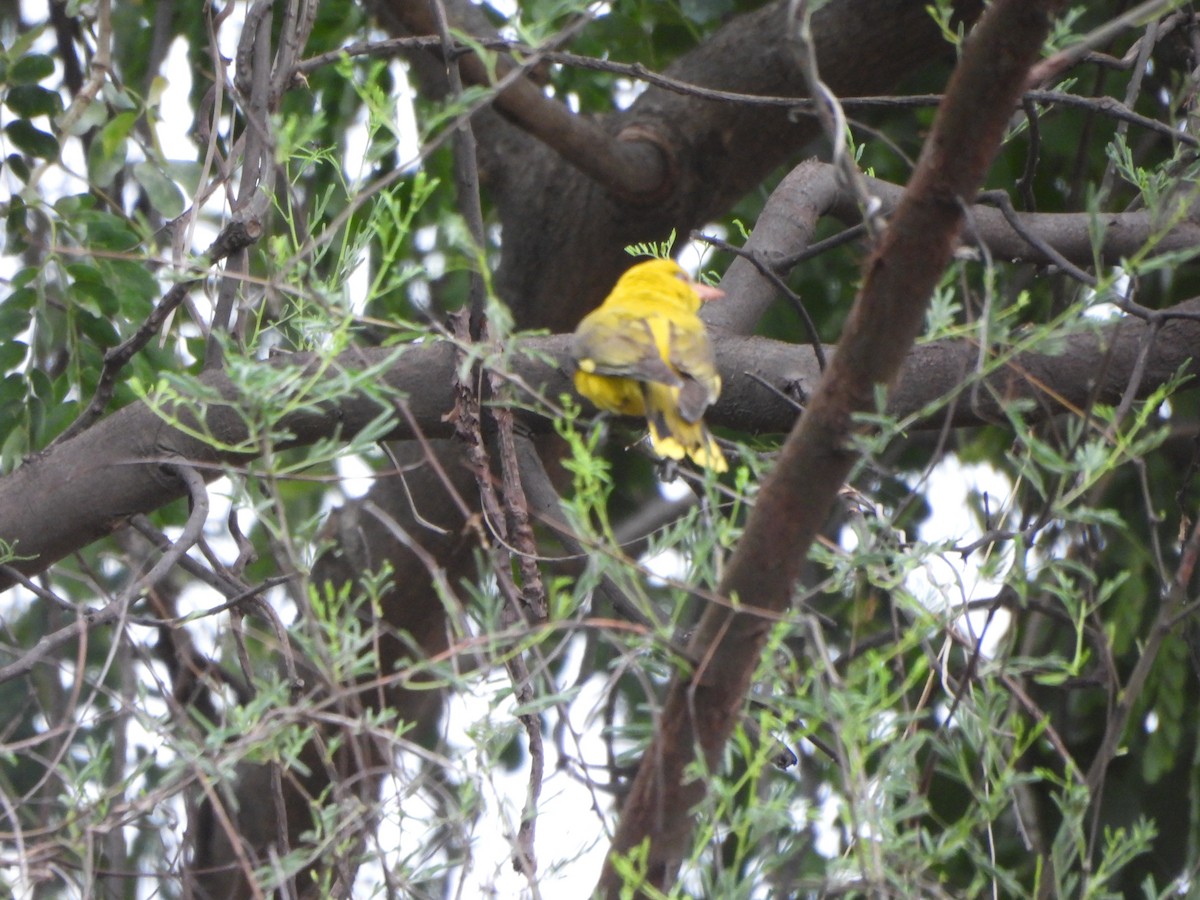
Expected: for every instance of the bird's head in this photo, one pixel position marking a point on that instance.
(667, 280)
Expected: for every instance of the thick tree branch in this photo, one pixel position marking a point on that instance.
(702, 707)
(812, 190)
(119, 467)
(1071, 234)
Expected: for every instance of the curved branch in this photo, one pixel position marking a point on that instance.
(631, 169)
(118, 608)
(813, 189)
(1073, 235)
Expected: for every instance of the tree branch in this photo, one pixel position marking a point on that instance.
(813, 190)
(116, 469)
(632, 169)
(702, 707)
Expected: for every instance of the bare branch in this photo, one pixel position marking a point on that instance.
(703, 706)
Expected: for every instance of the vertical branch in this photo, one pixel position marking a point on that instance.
(509, 522)
(260, 83)
(510, 518)
(253, 85)
(703, 706)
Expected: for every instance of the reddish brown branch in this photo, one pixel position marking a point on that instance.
(702, 709)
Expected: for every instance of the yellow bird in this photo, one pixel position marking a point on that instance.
(644, 352)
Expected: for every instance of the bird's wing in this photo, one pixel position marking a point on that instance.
(691, 354)
(622, 347)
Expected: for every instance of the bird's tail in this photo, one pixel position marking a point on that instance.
(673, 437)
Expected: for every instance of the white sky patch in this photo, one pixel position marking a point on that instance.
(1104, 311)
(176, 117)
(35, 10)
(571, 839)
(356, 166)
(695, 255)
(358, 284)
(425, 238)
(665, 565)
(355, 474)
(406, 117)
(626, 90)
(828, 837)
(231, 32)
(949, 581)
(675, 490)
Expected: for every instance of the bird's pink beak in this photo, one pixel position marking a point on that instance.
(707, 292)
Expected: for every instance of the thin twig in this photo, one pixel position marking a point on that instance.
(235, 236)
(771, 273)
(1001, 201)
(1130, 693)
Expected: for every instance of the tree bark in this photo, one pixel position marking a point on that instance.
(703, 705)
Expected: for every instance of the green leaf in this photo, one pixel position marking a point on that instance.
(12, 354)
(84, 272)
(31, 69)
(16, 231)
(12, 389)
(72, 205)
(117, 97)
(30, 275)
(106, 155)
(94, 115)
(44, 388)
(108, 232)
(11, 416)
(16, 164)
(24, 42)
(32, 140)
(29, 100)
(164, 194)
(99, 329)
(133, 283)
(15, 313)
(94, 296)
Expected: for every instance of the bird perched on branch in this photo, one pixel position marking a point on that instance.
(645, 352)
